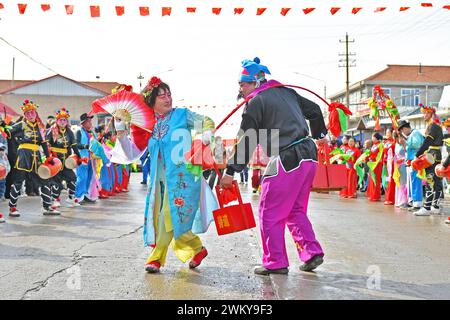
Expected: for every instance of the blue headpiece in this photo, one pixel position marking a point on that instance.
(252, 71)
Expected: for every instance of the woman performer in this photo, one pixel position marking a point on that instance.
(62, 141)
(388, 161)
(352, 178)
(172, 213)
(258, 163)
(375, 165)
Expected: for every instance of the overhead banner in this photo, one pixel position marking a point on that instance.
(95, 10)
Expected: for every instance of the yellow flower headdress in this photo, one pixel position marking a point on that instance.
(28, 105)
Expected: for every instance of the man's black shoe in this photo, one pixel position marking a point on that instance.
(265, 272)
(312, 263)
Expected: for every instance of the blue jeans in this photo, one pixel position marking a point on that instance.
(2, 188)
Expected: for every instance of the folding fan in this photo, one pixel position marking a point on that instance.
(128, 107)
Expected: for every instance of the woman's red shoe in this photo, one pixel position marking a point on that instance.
(197, 259)
(153, 267)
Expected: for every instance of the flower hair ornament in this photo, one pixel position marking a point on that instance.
(425, 109)
(153, 83)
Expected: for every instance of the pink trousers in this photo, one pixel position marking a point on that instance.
(284, 202)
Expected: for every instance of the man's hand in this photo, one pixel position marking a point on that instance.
(50, 161)
(226, 182)
(321, 142)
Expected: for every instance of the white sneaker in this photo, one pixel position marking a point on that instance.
(13, 212)
(2, 220)
(56, 203)
(447, 221)
(51, 211)
(422, 212)
(72, 202)
(436, 210)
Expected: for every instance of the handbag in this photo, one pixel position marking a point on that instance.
(328, 177)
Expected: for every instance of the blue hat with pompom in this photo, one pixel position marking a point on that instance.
(253, 71)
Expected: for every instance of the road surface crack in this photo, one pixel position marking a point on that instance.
(76, 259)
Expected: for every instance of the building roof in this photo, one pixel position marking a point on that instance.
(402, 74)
(412, 73)
(105, 87)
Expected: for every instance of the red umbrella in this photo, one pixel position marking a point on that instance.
(4, 109)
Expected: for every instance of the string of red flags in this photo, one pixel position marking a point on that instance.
(96, 11)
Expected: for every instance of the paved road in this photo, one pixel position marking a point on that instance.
(95, 252)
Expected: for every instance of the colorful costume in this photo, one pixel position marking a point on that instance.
(388, 170)
(289, 175)
(352, 178)
(432, 144)
(415, 188)
(178, 205)
(62, 142)
(400, 176)
(375, 169)
(28, 136)
(86, 186)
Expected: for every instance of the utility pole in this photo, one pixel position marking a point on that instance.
(13, 67)
(347, 64)
(140, 77)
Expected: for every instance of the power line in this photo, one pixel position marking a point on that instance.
(27, 55)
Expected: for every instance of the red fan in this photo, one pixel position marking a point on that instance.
(127, 106)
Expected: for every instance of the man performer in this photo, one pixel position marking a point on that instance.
(413, 141)
(85, 171)
(434, 139)
(28, 137)
(62, 141)
(289, 175)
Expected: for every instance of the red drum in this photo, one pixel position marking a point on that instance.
(47, 171)
(71, 162)
(424, 161)
(3, 173)
(442, 172)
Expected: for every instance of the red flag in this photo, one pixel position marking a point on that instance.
(166, 11)
(45, 7)
(446, 7)
(120, 10)
(144, 11)
(379, 9)
(95, 11)
(284, 11)
(238, 10)
(404, 8)
(308, 10)
(260, 11)
(22, 7)
(334, 10)
(216, 10)
(426, 4)
(69, 9)
(191, 9)
(356, 10)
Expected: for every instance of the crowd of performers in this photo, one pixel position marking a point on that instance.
(79, 162)
(179, 202)
(401, 165)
